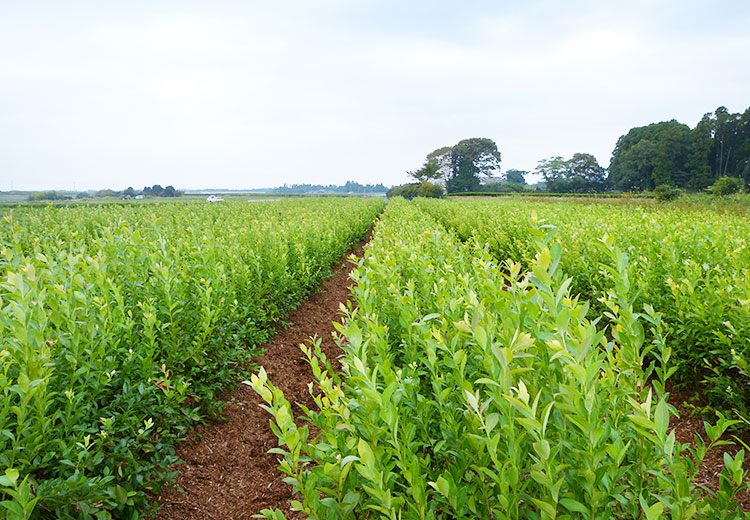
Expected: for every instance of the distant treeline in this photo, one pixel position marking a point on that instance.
(349, 187)
(154, 191)
(672, 153)
(549, 194)
(149, 191)
(664, 158)
(49, 195)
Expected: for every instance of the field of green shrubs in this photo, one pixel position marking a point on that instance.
(691, 265)
(511, 359)
(119, 324)
(501, 358)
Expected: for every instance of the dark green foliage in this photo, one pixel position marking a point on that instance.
(584, 166)
(665, 192)
(671, 153)
(726, 186)
(579, 174)
(548, 195)
(729, 150)
(503, 187)
(48, 195)
(516, 176)
(157, 191)
(651, 155)
(349, 187)
(463, 180)
(462, 164)
(552, 168)
(417, 189)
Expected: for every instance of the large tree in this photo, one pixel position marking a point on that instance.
(744, 149)
(698, 159)
(463, 164)
(729, 148)
(429, 171)
(552, 168)
(586, 166)
(648, 156)
(579, 174)
(516, 176)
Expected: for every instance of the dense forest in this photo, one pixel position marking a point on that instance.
(674, 154)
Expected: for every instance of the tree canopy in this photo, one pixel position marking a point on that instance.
(671, 153)
(649, 156)
(429, 171)
(516, 176)
(579, 174)
(464, 165)
(668, 153)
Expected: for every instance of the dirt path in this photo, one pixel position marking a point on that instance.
(227, 471)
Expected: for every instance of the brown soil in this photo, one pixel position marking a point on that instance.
(687, 426)
(227, 472)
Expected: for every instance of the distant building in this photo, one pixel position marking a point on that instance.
(489, 179)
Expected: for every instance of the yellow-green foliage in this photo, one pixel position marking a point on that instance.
(691, 265)
(119, 323)
(477, 388)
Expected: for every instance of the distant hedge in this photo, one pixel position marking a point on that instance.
(417, 189)
(48, 195)
(641, 195)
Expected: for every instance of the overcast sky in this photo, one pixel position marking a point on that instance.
(244, 94)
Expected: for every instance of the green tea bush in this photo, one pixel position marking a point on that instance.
(666, 192)
(478, 389)
(417, 189)
(120, 323)
(726, 186)
(689, 264)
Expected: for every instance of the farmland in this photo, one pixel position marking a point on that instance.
(691, 265)
(500, 358)
(477, 383)
(120, 323)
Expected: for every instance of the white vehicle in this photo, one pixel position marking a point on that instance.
(214, 198)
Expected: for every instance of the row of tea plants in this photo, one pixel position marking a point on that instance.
(691, 264)
(473, 388)
(120, 323)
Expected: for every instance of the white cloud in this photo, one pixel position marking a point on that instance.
(249, 94)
